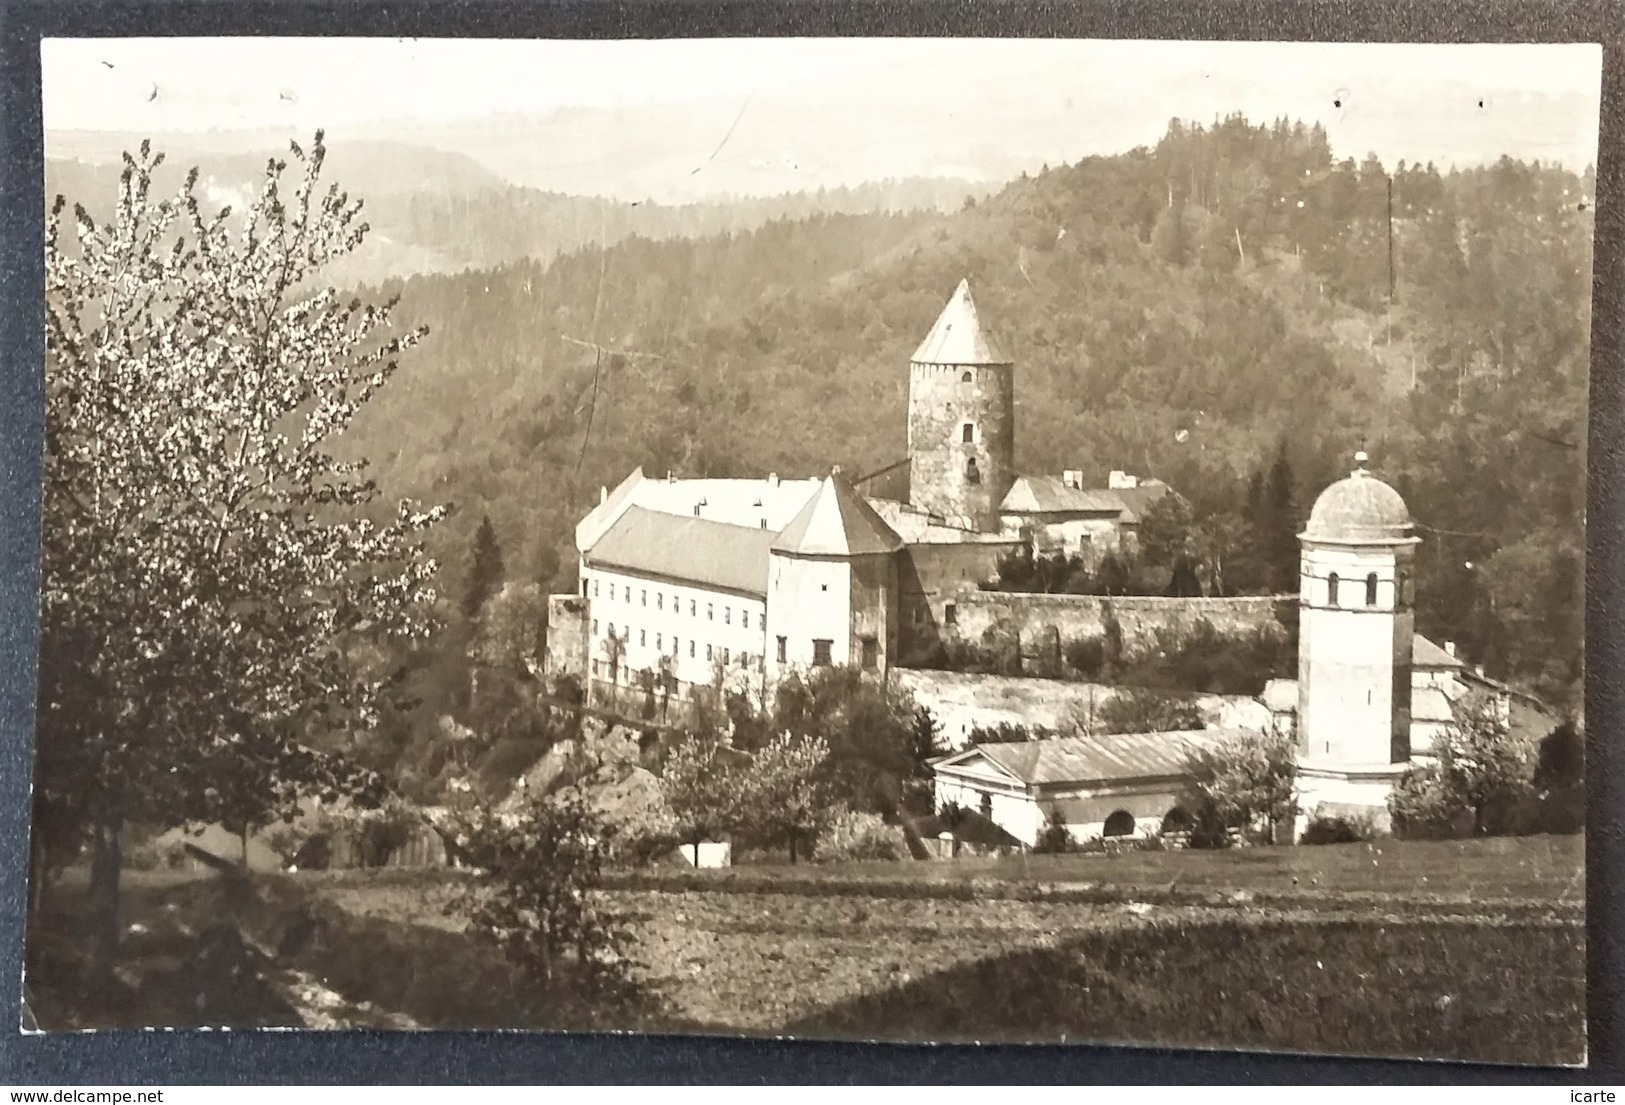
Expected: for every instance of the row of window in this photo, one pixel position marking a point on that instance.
(676, 603)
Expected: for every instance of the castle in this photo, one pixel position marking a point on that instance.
(688, 582)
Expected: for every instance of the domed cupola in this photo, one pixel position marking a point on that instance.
(1359, 509)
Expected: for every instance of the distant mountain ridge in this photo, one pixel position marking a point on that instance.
(437, 211)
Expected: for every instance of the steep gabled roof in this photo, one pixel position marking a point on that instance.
(837, 521)
(685, 550)
(957, 338)
(1426, 654)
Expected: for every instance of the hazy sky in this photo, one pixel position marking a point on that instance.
(863, 107)
(248, 82)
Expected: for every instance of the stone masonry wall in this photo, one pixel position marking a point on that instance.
(981, 616)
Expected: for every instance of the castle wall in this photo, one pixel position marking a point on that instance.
(941, 402)
(979, 615)
(933, 575)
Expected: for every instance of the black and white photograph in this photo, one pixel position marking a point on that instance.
(1055, 541)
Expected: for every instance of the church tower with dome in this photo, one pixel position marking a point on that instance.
(1356, 623)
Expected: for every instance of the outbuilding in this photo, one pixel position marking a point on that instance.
(1116, 786)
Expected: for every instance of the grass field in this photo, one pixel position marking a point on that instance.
(1400, 950)
(1545, 868)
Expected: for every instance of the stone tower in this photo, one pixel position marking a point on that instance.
(1355, 630)
(961, 420)
(832, 586)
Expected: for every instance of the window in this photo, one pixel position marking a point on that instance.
(611, 592)
(595, 588)
(1371, 589)
(676, 604)
(821, 653)
(691, 647)
(1331, 589)
(727, 615)
(708, 652)
(643, 636)
(973, 474)
(643, 597)
(595, 627)
(612, 629)
(583, 588)
(744, 618)
(1120, 823)
(692, 607)
(659, 641)
(967, 433)
(950, 614)
(696, 510)
(660, 602)
(710, 612)
(782, 649)
(598, 667)
(724, 656)
(987, 805)
(965, 379)
(871, 653)
(628, 591)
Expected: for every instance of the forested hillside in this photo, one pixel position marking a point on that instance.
(1183, 311)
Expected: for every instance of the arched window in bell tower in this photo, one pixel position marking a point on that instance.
(1371, 589)
(973, 474)
(967, 433)
(965, 378)
(1331, 589)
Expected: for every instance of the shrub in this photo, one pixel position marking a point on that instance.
(1056, 839)
(1086, 655)
(855, 835)
(1480, 784)
(535, 895)
(1337, 830)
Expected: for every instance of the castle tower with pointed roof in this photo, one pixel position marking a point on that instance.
(961, 420)
(832, 585)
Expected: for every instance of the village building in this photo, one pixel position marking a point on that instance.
(1122, 785)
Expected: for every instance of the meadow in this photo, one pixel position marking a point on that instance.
(1464, 950)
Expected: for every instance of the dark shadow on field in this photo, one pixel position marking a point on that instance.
(234, 952)
(1487, 992)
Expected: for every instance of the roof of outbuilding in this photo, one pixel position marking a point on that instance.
(1050, 495)
(1111, 758)
(837, 521)
(957, 338)
(685, 549)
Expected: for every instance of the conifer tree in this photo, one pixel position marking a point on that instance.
(485, 569)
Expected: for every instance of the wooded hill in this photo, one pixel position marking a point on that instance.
(1220, 304)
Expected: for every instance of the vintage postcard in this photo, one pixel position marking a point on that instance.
(880, 539)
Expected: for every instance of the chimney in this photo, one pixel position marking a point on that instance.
(1450, 647)
(1119, 480)
(772, 479)
(669, 477)
(1478, 670)
(603, 494)
(1072, 478)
